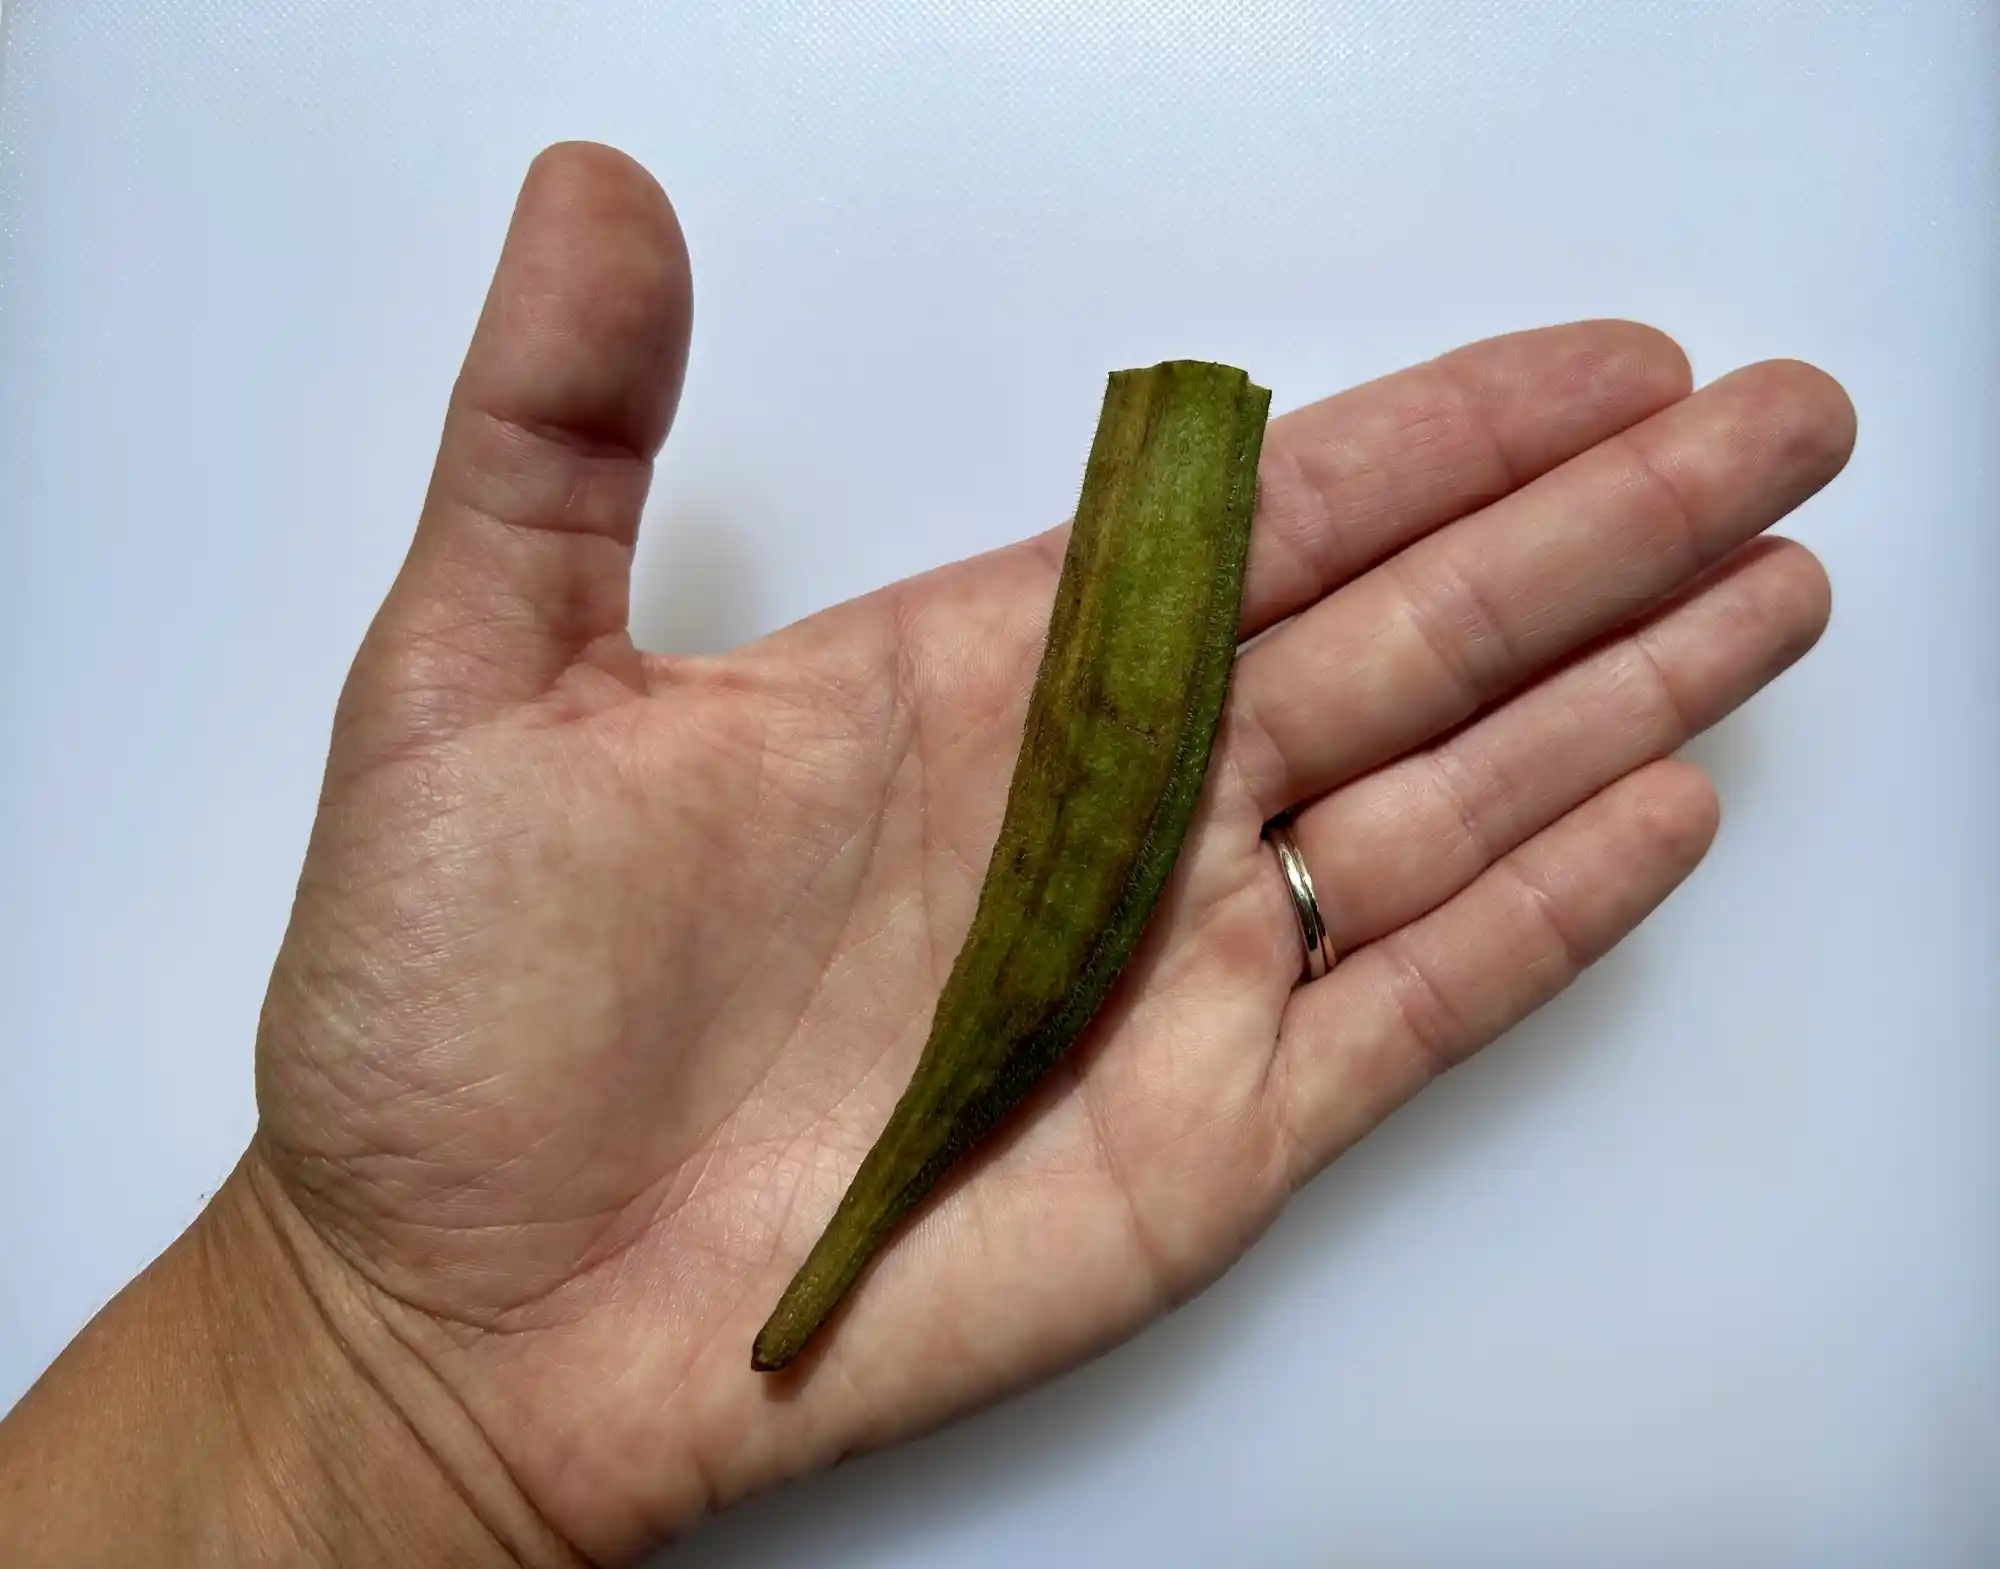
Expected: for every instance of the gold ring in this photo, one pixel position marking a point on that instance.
(1305, 903)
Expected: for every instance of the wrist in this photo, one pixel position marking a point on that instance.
(363, 1452)
(244, 1402)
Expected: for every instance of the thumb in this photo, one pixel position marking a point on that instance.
(521, 564)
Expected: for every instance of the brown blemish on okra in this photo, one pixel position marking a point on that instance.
(1116, 743)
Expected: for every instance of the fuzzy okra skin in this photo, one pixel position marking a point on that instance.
(1116, 744)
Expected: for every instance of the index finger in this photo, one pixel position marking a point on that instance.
(1347, 482)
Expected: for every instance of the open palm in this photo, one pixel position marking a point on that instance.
(606, 967)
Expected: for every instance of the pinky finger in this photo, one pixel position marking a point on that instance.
(1394, 1015)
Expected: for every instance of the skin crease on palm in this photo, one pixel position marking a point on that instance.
(606, 966)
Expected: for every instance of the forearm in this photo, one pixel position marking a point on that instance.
(214, 1413)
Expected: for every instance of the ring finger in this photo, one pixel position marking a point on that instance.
(1395, 844)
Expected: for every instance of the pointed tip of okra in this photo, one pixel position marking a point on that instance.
(784, 1335)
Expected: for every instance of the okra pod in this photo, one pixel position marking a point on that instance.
(1123, 712)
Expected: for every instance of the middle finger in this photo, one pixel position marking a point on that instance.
(1465, 615)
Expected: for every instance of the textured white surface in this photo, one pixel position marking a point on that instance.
(1702, 1267)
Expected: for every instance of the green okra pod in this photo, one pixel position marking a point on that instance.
(1116, 744)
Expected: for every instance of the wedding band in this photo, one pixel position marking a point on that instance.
(1305, 903)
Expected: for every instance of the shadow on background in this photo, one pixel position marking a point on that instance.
(696, 586)
(1728, 754)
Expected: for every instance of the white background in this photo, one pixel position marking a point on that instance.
(1701, 1267)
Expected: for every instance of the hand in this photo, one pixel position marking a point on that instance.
(606, 966)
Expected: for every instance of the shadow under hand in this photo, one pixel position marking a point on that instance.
(856, 1515)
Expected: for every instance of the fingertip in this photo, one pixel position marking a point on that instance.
(1821, 394)
(586, 326)
(1679, 811)
(576, 158)
(1802, 594)
(1775, 590)
(1799, 413)
(605, 186)
(1628, 368)
(1641, 355)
